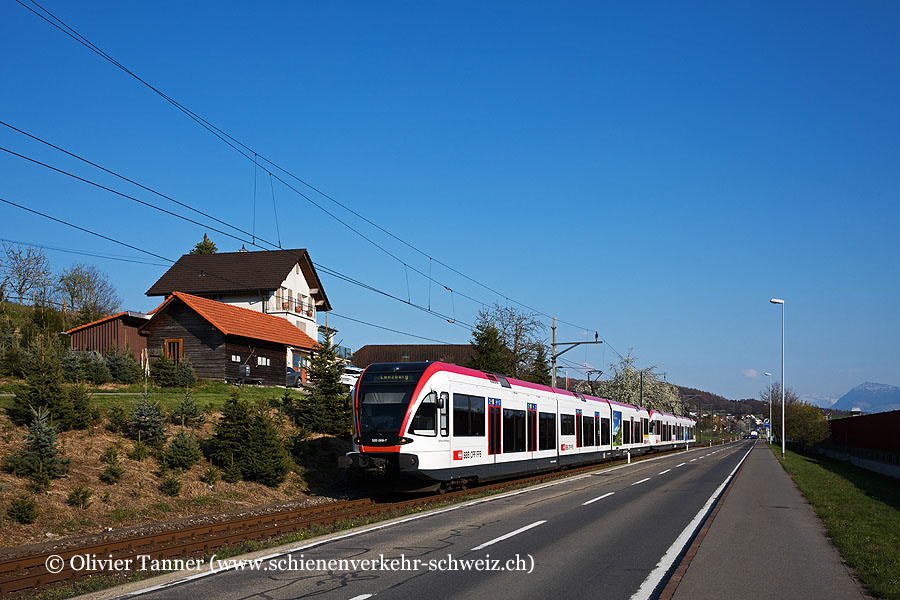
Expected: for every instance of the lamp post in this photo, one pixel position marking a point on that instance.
(781, 302)
(769, 428)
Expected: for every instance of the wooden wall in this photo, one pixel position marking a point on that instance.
(249, 350)
(202, 344)
(118, 333)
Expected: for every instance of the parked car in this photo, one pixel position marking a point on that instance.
(293, 378)
(350, 375)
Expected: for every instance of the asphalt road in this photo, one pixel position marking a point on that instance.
(592, 536)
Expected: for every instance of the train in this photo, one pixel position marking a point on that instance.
(435, 426)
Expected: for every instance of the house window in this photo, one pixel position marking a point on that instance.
(173, 349)
(236, 358)
(263, 361)
(405, 355)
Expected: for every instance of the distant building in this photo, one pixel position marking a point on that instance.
(456, 354)
(283, 283)
(118, 331)
(220, 338)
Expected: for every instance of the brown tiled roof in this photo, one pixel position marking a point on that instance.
(243, 322)
(457, 354)
(226, 272)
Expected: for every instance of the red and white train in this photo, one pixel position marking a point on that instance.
(439, 424)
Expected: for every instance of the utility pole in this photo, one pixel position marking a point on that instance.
(569, 345)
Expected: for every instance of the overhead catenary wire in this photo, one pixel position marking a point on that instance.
(318, 266)
(245, 151)
(83, 253)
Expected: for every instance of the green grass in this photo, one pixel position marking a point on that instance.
(861, 512)
(204, 393)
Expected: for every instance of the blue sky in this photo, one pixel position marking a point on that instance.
(651, 171)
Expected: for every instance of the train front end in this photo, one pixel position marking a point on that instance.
(392, 403)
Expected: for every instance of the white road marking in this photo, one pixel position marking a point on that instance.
(597, 498)
(692, 460)
(666, 471)
(641, 481)
(681, 465)
(665, 563)
(508, 535)
(362, 597)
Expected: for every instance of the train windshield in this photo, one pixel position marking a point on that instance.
(384, 394)
(382, 407)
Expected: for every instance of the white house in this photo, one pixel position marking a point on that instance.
(276, 282)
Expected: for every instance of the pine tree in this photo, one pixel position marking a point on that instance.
(204, 247)
(188, 412)
(323, 409)
(489, 352)
(148, 422)
(43, 388)
(539, 369)
(123, 367)
(265, 459)
(80, 399)
(40, 459)
(232, 431)
(184, 373)
(183, 451)
(162, 372)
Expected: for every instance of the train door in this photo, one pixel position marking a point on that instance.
(578, 428)
(531, 429)
(494, 420)
(468, 421)
(443, 423)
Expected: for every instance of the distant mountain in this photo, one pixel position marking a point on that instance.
(871, 398)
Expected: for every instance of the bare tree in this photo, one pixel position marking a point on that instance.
(25, 271)
(88, 291)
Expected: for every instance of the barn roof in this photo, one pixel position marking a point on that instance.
(229, 272)
(242, 322)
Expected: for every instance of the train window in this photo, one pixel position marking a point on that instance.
(637, 433)
(546, 431)
(425, 420)
(626, 433)
(513, 430)
(588, 428)
(604, 432)
(468, 416)
(645, 427)
(566, 424)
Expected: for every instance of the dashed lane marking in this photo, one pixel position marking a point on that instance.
(597, 498)
(666, 471)
(508, 535)
(641, 481)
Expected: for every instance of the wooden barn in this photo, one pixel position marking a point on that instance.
(118, 331)
(219, 338)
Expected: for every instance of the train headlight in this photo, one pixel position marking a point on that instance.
(357, 440)
(406, 440)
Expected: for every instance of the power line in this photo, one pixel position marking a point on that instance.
(319, 266)
(234, 143)
(333, 314)
(83, 253)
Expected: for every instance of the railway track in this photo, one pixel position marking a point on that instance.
(28, 573)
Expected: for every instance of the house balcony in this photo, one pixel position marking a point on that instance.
(291, 308)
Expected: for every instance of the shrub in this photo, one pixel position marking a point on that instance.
(139, 452)
(110, 455)
(232, 473)
(148, 422)
(114, 469)
(123, 367)
(183, 451)
(80, 497)
(14, 359)
(82, 413)
(23, 510)
(170, 486)
(188, 412)
(117, 418)
(184, 373)
(94, 368)
(162, 372)
(210, 475)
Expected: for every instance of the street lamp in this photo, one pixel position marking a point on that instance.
(781, 302)
(769, 428)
